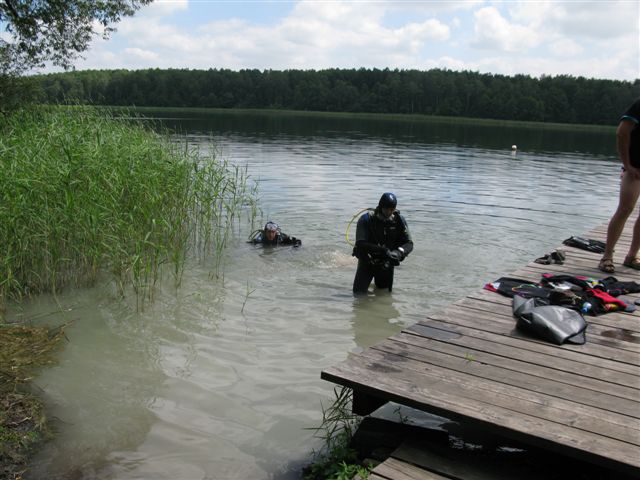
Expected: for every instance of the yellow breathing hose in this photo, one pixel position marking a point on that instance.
(346, 233)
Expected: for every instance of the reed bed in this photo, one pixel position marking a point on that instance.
(84, 192)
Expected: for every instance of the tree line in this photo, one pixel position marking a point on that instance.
(562, 99)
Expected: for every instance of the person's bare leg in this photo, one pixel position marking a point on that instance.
(629, 193)
(635, 239)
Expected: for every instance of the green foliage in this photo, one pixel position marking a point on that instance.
(16, 92)
(57, 30)
(560, 99)
(348, 471)
(337, 461)
(84, 193)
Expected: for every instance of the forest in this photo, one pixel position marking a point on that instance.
(557, 99)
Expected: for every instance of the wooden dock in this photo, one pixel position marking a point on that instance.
(469, 363)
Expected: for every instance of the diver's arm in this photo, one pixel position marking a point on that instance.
(364, 242)
(405, 238)
(407, 248)
(371, 248)
(289, 240)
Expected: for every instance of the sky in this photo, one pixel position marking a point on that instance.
(594, 39)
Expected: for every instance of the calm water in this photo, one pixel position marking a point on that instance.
(221, 378)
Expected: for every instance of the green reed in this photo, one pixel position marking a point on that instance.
(84, 192)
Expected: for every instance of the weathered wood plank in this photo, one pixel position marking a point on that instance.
(624, 426)
(603, 334)
(627, 339)
(546, 356)
(486, 301)
(393, 469)
(494, 331)
(587, 269)
(534, 403)
(602, 348)
(526, 363)
(383, 378)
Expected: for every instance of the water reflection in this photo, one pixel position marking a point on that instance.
(374, 318)
(302, 128)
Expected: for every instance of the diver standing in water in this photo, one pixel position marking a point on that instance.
(382, 242)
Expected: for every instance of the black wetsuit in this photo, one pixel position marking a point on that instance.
(375, 238)
(633, 114)
(279, 239)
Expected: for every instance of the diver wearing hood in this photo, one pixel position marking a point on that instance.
(382, 242)
(272, 235)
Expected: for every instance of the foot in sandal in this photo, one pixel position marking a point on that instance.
(632, 262)
(606, 265)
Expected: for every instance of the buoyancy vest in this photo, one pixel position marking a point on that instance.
(375, 236)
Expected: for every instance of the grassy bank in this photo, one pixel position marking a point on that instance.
(85, 193)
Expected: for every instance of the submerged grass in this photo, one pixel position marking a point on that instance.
(22, 421)
(84, 192)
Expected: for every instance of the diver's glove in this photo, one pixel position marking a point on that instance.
(395, 255)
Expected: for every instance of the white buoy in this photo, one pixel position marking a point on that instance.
(514, 147)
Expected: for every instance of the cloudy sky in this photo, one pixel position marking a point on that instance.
(599, 39)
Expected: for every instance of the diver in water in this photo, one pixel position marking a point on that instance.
(382, 242)
(272, 235)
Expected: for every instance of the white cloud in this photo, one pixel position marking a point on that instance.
(433, 7)
(142, 54)
(493, 31)
(161, 8)
(429, 30)
(538, 66)
(152, 33)
(565, 47)
(587, 19)
(315, 35)
(507, 37)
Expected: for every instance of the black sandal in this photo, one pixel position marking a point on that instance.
(632, 263)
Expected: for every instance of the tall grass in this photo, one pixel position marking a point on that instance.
(84, 192)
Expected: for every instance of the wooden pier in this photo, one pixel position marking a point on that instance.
(469, 363)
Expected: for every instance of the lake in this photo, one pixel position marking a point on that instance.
(220, 379)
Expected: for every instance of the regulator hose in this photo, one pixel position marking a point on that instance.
(346, 233)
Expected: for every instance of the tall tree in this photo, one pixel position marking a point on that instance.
(55, 31)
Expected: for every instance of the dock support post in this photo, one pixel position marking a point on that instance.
(364, 404)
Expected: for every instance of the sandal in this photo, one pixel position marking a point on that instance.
(606, 265)
(632, 263)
